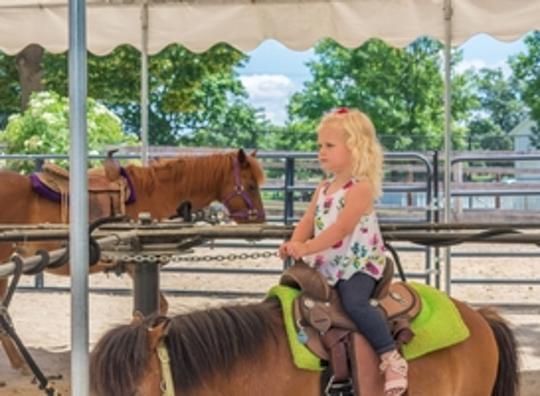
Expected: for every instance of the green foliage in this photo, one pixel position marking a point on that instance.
(44, 128)
(497, 111)
(400, 89)
(9, 88)
(195, 99)
(526, 68)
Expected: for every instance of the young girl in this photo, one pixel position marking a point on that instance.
(339, 233)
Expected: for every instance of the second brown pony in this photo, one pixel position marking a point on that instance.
(233, 178)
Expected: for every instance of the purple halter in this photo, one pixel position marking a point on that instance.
(251, 212)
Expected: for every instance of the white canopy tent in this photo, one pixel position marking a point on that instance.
(298, 24)
(150, 25)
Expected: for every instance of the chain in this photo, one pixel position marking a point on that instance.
(167, 258)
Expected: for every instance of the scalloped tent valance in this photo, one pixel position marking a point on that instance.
(298, 24)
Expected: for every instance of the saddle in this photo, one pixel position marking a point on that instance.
(107, 188)
(324, 327)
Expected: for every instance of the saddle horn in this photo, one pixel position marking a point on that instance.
(111, 166)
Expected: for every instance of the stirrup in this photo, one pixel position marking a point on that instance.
(338, 388)
(398, 365)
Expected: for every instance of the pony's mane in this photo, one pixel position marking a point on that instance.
(119, 360)
(201, 345)
(190, 173)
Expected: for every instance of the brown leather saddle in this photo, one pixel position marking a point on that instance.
(329, 333)
(108, 190)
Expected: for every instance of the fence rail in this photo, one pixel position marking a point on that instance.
(411, 194)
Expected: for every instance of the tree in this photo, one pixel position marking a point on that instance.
(498, 110)
(400, 89)
(526, 68)
(44, 128)
(9, 89)
(194, 98)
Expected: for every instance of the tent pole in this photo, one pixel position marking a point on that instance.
(78, 208)
(447, 130)
(144, 82)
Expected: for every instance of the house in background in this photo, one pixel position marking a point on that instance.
(521, 135)
(530, 169)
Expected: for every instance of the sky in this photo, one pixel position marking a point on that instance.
(274, 72)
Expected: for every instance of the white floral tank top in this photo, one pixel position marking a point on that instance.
(362, 250)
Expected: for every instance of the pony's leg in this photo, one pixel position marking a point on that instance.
(12, 352)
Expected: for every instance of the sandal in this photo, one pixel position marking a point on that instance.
(393, 362)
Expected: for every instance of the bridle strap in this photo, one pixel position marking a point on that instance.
(167, 384)
(251, 212)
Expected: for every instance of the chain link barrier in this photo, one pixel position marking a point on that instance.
(176, 258)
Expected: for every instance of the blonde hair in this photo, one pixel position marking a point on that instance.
(361, 139)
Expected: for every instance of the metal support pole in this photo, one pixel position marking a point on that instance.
(289, 194)
(436, 216)
(146, 288)
(78, 208)
(144, 82)
(447, 131)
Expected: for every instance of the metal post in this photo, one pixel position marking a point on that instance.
(289, 194)
(78, 209)
(436, 216)
(146, 288)
(144, 82)
(447, 129)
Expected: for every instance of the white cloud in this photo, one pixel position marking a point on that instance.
(271, 92)
(478, 64)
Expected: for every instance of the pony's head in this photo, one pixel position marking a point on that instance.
(240, 191)
(125, 363)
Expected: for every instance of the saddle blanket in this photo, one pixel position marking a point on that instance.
(437, 326)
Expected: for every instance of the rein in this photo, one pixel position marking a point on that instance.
(166, 384)
(251, 213)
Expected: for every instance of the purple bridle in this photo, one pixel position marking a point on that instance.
(251, 213)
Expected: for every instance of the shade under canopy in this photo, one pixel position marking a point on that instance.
(298, 24)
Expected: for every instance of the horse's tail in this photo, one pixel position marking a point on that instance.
(507, 381)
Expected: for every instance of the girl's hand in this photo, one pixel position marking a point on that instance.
(297, 250)
(283, 250)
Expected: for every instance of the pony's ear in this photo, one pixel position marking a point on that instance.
(242, 159)
(254, 153)
(137, 319)
(156, 333)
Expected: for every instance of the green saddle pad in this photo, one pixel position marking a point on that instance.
(437, 326)
(303, 358)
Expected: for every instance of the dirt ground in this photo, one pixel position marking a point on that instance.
(43, 319)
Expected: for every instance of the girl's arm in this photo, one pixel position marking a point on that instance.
(358, 202)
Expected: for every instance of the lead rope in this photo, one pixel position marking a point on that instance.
(167, 383)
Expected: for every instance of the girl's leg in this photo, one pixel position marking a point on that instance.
(355, 293)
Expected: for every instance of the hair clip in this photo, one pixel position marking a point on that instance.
(341, 110)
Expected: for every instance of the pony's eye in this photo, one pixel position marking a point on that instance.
(252, 187)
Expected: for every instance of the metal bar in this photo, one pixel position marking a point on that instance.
(523, 281)
(78, 208)
(144, 82)
(289, 189)
(146, 288)
(7, 268)
(447, 9)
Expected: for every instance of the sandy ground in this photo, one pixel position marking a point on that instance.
(43, 319)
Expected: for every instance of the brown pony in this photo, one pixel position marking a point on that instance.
(232, 178)
(243, 351)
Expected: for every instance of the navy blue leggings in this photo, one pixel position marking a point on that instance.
(355, 293)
